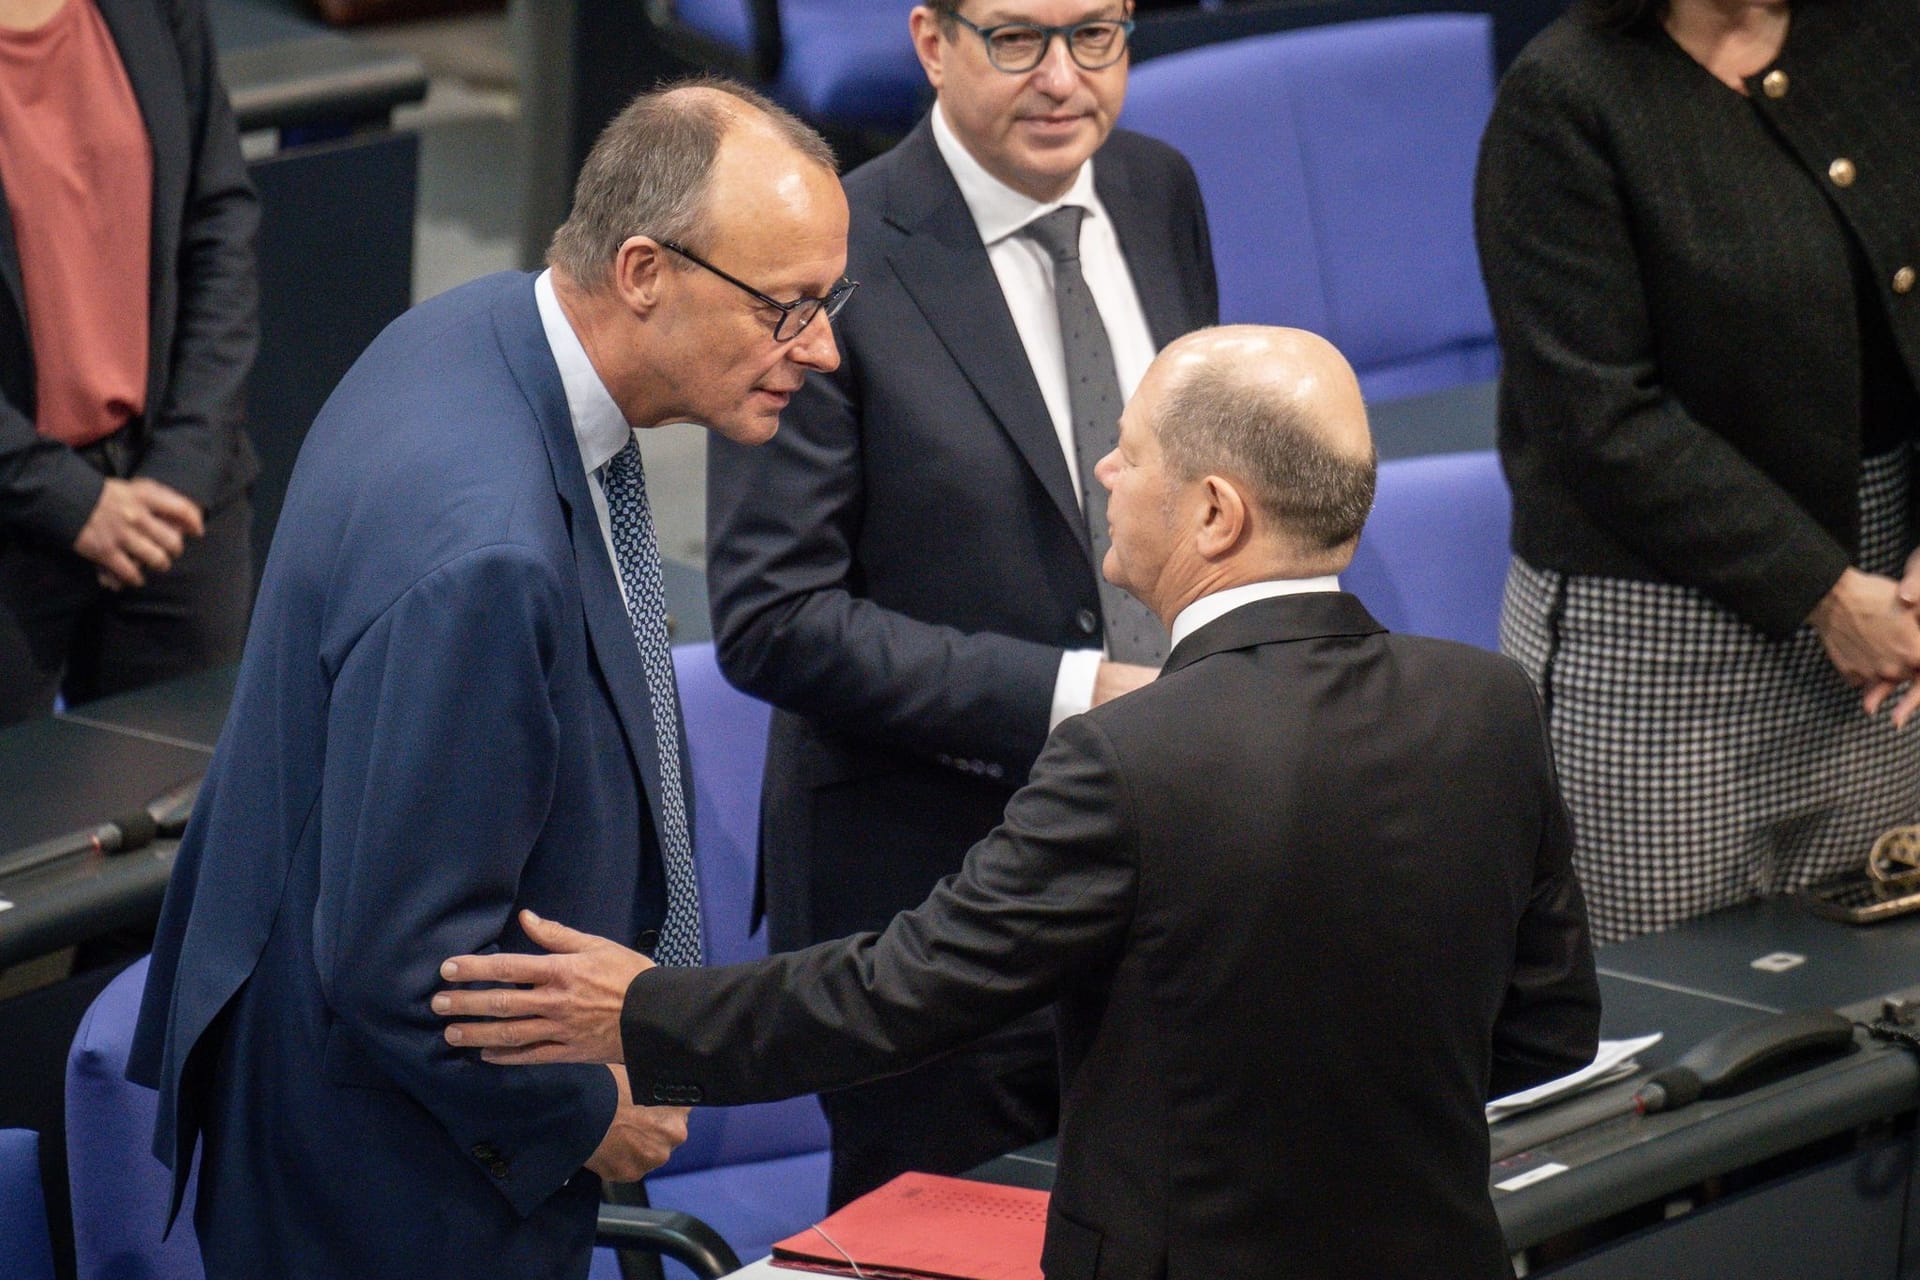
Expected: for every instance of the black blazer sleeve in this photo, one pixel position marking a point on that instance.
(794, 627)
(216, 324)
(1549, 1022)
(1583, 377)
(1045, 898)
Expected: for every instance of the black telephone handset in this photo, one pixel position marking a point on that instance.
(1726, 1062)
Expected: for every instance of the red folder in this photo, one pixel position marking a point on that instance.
(923, 1227)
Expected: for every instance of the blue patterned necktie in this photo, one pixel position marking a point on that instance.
(638, 553)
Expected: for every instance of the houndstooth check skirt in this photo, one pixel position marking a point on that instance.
(1704, 763)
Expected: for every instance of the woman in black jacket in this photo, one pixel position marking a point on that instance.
(127, 328)
(1700, 226)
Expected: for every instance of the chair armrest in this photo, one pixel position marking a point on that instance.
(679, 1236)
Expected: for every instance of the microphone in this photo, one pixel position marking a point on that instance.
(165, 815)
(1727, 1062)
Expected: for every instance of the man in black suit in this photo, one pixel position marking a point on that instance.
(906, 572)
(1304, 901)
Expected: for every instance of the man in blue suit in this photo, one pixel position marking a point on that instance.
(456, 702)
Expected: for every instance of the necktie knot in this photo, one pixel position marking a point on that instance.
(1058, 232)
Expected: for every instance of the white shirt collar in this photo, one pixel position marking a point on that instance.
(998, 210)
(1216, 606)
(599, 427)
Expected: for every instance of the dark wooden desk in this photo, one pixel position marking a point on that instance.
(65, 774)
(1806, 1176)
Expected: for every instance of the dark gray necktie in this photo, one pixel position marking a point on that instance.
(1133, 633)
(635, 547)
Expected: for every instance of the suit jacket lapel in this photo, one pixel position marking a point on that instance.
(1144, 245)
(940, 262)
(1311, 616)
(610, 633)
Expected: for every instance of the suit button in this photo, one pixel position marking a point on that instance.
(1842, 172)
(498, 1169)
(1903, 280)
(1774, 85)
(677, 1095)
(996, 771)
(1087, 621)
(647, 941)
(484, 1153)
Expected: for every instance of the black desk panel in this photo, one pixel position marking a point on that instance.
(1823, 1156)
(1453, 420)
(1841, 964)
(59, 775)
(188, 711)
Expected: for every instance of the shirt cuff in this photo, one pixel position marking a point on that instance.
(1073, 687)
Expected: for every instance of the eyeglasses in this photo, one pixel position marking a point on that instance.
(1019, 47)
(795, 316)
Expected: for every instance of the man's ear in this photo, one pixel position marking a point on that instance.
(1226, 518)
(924, 25)
(639, 272)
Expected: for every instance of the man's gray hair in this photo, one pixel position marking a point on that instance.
(1215, 421)
(650, 171)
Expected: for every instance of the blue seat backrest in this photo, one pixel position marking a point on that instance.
(756, 1173)
(728, 21)
(1337, 167)
(26, 1249)
(851, 62)
(120, 1190)
(1433, 559)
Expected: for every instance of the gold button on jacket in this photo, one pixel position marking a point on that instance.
(1775, 84)
(1841, 171)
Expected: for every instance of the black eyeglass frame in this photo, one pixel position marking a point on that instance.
(1066, 33)
(832, 303)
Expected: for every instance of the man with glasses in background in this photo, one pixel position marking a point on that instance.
(908, 572)
(457, 700)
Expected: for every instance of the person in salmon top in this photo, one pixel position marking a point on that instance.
(127, 328)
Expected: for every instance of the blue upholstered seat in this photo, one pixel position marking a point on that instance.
(842, 62)
(26, 1251)
(1433, 559)
(119, 1188)
(1337, 167)
(755, 1174)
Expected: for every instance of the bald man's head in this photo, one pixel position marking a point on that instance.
(652, 171)
(1277, 410)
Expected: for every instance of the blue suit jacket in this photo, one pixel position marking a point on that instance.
(441, 718)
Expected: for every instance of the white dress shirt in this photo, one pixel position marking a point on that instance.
(1221, 603)
(599, 428)
(1025, 272)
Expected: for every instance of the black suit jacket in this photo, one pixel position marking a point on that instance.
(899, 570)
(1669, 266)
(201, 297)
(1304, 901)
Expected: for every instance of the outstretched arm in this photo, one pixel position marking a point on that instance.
(562, 1007)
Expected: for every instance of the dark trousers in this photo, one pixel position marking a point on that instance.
(960, 1110)
(62, 632)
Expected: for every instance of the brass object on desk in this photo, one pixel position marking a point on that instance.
(1895, 855)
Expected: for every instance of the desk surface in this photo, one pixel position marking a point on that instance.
(187, 712)
(74, 771)
(1453, 420)
(283, 69)
(1690, 984)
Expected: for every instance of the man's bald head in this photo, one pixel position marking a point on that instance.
(652, 171)
(1280, 412)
